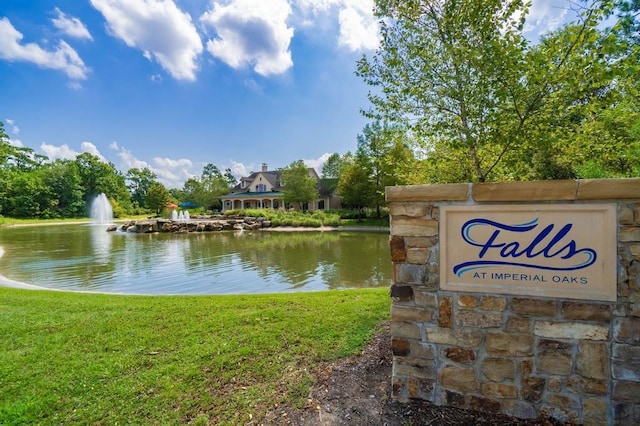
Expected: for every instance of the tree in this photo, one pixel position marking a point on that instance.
(157, 197)
(355, 186)
(387, 156)
(334, 165)
(207, 189)
(139, 183)
(99, 177)
(460, 75)
(299, 187)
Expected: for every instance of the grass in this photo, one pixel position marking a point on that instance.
(6, 221)
(74, 358)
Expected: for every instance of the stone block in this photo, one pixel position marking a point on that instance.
(518, 325)
(626, 414)
(400, 347)
(422, 193)
(479, 319)
(506, 344)
(560, 415)
(445, 312)
(460, 355)
(406, 227)
(547, 190)
(493, 303)
(626, 330)
(484, 404)
(398, 251)
(554, 357)
(467, 301)
(467, 338)
(401, 293)
(626, 362)
(420, 388)
(625, 215)
(532, 388)
(411, 314)
(417, 256)
(586, 386)
(398, 386)
(626, 391)
(459, 379)
(629, 234)
(608, 189)
(563, 401)
(598, 312)
(422, 369)
(592, 360)
(570, 330)
(421, 350)
(405, 273)
(534, 307)
(594, 411)
(406, 330)
(455, 399)
(414, 209)
(498, 369)
(554, 384)
(519, 409)
(420, 242)
(499, 390)
(424, 298)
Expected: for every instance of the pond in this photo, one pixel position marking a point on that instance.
(87, 258)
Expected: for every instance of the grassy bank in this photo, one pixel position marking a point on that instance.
(71, 358)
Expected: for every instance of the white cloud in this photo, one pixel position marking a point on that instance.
(14, 130)
(127, 159)
(63, 58)
(56, 152)
(317, 163)
(91, 149)
(158, 28)
(238, 169)
(171, 172)
(251, 33)
(71, 26)
(545, 16)
(65, 152)
(358, 27)
(171, 163)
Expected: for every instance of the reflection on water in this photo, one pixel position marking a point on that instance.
(88, 258)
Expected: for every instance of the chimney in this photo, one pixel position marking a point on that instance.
(264, 167)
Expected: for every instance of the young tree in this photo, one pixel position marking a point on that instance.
(355, 186)
(388, 158)
(299, 187)
(140, 180)
(461, 76)
(100, 177)
(157, 197)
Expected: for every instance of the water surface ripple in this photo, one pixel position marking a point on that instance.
(87, 258)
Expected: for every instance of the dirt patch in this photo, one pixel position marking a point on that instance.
(357, 391)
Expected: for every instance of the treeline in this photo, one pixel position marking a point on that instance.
(31, 186)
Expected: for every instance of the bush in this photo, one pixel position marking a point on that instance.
(314, 219)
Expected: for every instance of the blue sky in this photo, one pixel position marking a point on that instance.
(175, 84)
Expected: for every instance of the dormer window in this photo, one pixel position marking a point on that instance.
(261, 188)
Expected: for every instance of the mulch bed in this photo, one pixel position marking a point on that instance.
(357, 391)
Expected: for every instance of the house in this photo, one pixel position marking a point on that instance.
(263, 190)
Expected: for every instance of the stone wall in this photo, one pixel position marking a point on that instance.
(572, 360)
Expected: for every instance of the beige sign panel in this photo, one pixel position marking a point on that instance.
(564, 251)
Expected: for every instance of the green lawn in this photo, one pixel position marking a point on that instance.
(73, 358)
